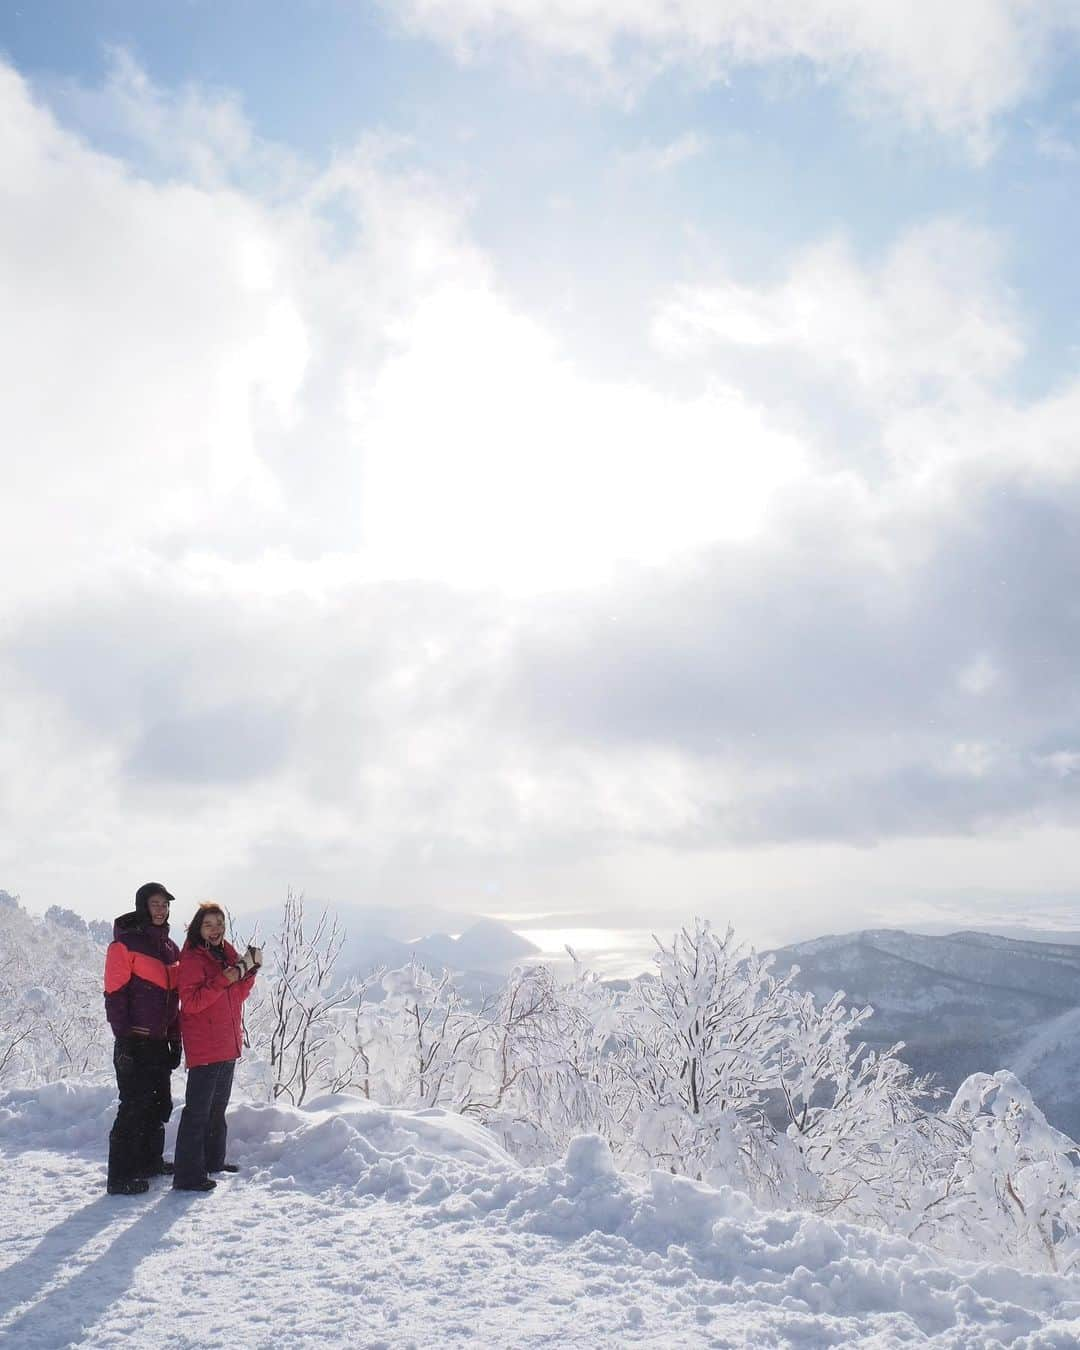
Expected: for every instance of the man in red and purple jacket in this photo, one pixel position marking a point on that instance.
(142, 1006)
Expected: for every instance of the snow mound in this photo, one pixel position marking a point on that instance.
(652, 1260)
(70, 1114)
(345, 1143)
(809, 1266)
(667, 1227)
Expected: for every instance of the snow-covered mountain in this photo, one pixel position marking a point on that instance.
(961, 1003)
(362, 922)
(487, 944)
(486, 948)
(384, 936)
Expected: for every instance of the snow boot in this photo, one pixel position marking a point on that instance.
(226, 1167)
(163, 1169)
(207, 1184)
(134, 1186)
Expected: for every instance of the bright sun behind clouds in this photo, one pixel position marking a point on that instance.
(546, 460)
(491, 463)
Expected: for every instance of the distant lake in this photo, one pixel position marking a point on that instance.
(611, 952)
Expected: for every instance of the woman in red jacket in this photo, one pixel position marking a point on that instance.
(213, 983)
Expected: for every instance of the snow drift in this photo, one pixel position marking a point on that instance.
(354, 1224)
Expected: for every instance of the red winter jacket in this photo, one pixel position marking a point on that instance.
(140, 979)
(210, 1006)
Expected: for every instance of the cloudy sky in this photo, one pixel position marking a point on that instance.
(543, 457)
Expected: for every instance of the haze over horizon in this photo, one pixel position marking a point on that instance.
(532, 462)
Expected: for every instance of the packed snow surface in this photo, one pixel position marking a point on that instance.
(358, 1225)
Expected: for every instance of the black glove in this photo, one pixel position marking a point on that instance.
(175, 1054)
(123, 1058)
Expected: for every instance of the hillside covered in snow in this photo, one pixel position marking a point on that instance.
(962, 1003)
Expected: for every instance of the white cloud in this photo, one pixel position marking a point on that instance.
(979, 676)
(1053, 145)
(296, 480)
(673, 154)
(336, 367)
(922, 345)
(140, 351)
(953, 67)
(512, 466)
(233, 419)
(932, 315)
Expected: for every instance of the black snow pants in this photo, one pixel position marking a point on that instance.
(137, 1140)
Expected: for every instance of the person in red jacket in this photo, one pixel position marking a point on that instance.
(214, 982)
(141, 966)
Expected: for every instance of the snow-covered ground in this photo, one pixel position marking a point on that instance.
(359, 1225)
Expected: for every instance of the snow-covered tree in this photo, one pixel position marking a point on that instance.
(703, 1035)
(544, 1063)
(856, 1121)
(66, 918)
(52, 1016)
(430, 1038)
(100, 931)
(1014, 1184)
(291, 1020)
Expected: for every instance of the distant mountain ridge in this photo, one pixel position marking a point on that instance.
(487, 944)
(961, 1003)
(485, 951)
(481, 956)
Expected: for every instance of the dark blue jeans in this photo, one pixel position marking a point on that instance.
(200, 1141)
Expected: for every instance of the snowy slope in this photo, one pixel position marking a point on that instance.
(1048, 1062)
(355, 1225)
(961, 1003)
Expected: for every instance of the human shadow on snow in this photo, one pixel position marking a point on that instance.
(54, 1250)
(65, 1312)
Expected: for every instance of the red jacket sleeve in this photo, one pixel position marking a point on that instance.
(117, 975)
(244, 983)
(197, 988)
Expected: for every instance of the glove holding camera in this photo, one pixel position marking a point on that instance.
(251, 960)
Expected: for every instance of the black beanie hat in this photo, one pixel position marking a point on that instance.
(144, 894)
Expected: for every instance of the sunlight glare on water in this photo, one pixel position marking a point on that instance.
(612, 952)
